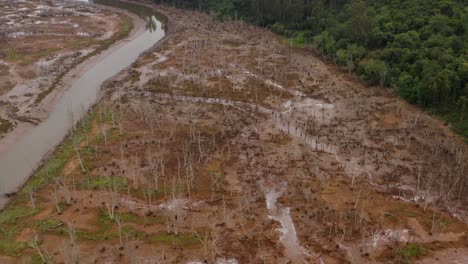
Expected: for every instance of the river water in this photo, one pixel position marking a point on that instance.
(18, 163)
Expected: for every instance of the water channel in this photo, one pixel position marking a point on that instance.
(19, 162)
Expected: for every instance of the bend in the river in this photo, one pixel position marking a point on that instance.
(18, 163)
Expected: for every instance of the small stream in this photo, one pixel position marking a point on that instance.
(18, 163)
(293, 250)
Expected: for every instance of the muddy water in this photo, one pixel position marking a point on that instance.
(293, 250)
(18, 163)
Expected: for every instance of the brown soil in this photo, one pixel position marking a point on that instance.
(219, 145)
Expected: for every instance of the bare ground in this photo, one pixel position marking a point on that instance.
(223, 145)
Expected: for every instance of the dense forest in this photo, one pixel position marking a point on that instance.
(418, 48)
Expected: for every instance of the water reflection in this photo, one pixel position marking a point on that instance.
(151, 23)
(152, 19)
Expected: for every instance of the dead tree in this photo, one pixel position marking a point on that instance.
(34, 244)
(70, 249)
(112, 201)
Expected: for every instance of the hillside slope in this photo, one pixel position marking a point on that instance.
(224, 145)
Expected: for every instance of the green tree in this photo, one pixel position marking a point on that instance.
(225, 9)
(373, 71)
(407, 87)
(357, 19)
(325, 43)
(463, 107)
(350, 56)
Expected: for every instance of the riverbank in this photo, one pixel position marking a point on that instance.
(31, 149)
(41, 110)
(42, 45)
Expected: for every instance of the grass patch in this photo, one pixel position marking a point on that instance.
(25, 59)
(104, 221)
(13, 213)
(10, 228)
(80, 43)
(45, 52)
(12, 248)
(126, 27)
(105, 231)
(299, 39)
(5, 126)
(103, 182)
(141, 220)
(412, 251)
(53, 168)
(48, 225)
(13, 56)
(391, 217)
(36, 259)
(130, 232)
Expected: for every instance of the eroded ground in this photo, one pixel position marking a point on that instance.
(223, 145)
(40, 41)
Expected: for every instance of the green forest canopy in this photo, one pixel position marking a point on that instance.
(418, 48)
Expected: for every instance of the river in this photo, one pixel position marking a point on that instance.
(19, 162)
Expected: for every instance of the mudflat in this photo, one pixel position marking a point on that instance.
(42, 42)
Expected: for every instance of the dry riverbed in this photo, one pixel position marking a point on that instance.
(223, 145)
(40, 42)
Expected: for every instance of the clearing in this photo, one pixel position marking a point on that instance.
(225, 145)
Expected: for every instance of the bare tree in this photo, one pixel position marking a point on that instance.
(46, 259)
(383, 74)
(32, 194)
(70, 249)
(56, 198)
(119, 225)
(112, 201)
